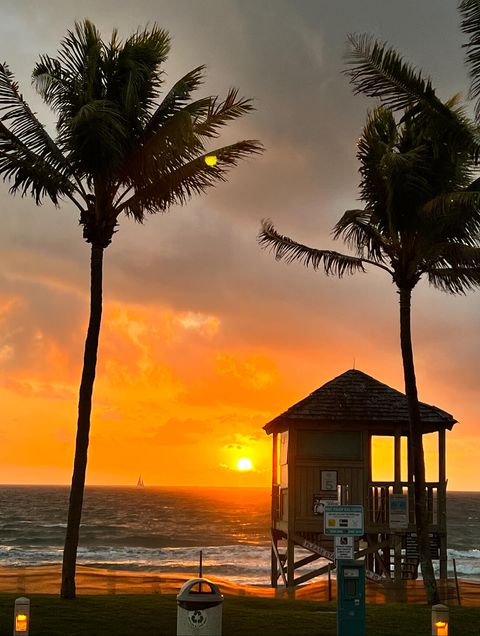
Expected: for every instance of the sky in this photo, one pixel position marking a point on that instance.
(206, 337)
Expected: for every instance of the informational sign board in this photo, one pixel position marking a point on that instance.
(329, 480)
(344, 548)
(398, 511)
(322, 499)
(313, 547)
(411, 545)
(343, 520)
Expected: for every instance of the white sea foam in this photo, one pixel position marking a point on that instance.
(464, 554)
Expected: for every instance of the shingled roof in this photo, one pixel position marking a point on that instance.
(356, 398)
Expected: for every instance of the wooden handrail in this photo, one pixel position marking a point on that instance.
(378, 494)
(385, 484)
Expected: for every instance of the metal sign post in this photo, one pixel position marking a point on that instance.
(344, 523)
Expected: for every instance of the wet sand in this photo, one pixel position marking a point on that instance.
(46, 580)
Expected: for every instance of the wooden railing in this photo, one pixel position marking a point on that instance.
(377, 509)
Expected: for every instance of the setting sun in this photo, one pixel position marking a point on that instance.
(244, 464)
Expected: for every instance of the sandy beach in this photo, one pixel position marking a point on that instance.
(46, 580)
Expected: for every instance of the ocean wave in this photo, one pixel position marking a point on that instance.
(464, 554)
(238, 563)
(240, 566)
(155, 530)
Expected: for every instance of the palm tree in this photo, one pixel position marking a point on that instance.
(470, 25)
(419, 221)
(119, 149)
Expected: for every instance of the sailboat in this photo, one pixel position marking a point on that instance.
(140, 483)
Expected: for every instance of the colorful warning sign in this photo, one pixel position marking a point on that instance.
(343, 520)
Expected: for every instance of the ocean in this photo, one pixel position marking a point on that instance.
(158, 530)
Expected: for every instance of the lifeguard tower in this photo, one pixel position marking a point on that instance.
(322, 453)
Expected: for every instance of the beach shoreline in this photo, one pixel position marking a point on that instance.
(45, 579)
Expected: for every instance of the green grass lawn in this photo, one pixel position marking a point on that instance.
(155, 615)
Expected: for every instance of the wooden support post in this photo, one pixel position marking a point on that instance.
(397, 488)
(411, 492)
(292, 508)
(459, 600)
(274, 563)
(279, 568)
(397, 557)
(442, 502)
(396, 542)
(274, 510)
(290, 563)
(367, 477)
(275, 475)
(441, 457)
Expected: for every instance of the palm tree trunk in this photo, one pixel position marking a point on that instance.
(416, 445)
(83, 426)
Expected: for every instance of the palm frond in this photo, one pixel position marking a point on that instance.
(72, 81)
(449, 254)
(391, 160)
(171, 146)
(379, 137)
(360, 234)
(451, 126)
(77, 75)
(52, 83)
(453, 214)
(221, 112)
(459, 254)
(178, 98)
(28, 173)
(377, 70)
(100, 121)
(29, 158)
(136, 75)
(23, 124)
(182, 182)
(393, 168)
(80, 55)
(285, 248)
(454, 280)
(470, 25)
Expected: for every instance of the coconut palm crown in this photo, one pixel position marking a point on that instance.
(119, 149)
(421, 217)
(122, 147)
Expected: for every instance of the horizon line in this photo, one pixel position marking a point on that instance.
(129, 485)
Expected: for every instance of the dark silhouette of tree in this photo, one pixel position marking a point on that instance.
(420, 219)
(470, 25)
(119, 149)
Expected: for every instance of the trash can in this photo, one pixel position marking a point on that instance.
(199, 609)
